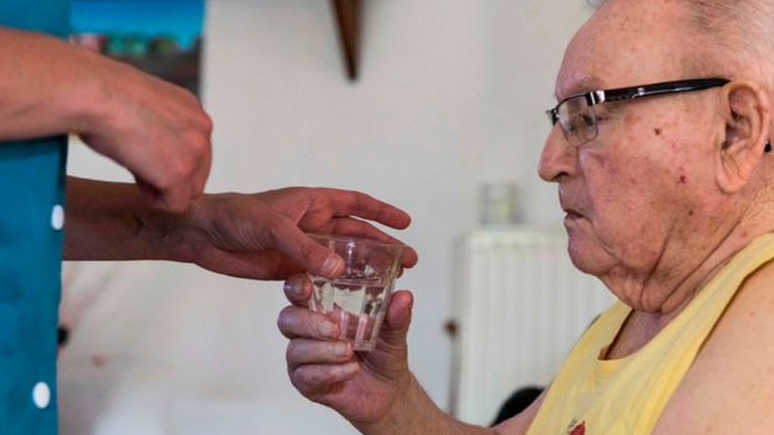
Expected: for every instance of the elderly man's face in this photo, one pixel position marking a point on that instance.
(635, 193)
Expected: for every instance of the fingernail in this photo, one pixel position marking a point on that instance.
(342, 349)
(350, 368)
(293, 290)
(327, 329)
(330, 265)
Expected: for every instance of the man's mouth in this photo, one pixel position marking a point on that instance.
(572, 214)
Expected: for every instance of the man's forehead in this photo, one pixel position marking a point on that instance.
(625, 43)
(575, 86)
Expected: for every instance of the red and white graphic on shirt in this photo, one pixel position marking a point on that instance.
(579, 429)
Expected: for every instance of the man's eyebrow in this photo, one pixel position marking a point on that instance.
(582, 86)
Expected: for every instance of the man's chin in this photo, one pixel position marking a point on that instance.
(581, 255)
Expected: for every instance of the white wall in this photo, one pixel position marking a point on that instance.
(452, 94)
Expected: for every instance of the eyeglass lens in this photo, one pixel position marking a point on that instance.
(578, 120)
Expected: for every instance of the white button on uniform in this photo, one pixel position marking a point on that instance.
(41, 395)
(57, 217)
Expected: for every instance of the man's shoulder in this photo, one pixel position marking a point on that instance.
(730, 386)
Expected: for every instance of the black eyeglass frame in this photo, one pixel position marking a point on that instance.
(633, 92)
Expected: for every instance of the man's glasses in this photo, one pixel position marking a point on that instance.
(576, 114)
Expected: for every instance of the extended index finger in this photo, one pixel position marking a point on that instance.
(353, 203)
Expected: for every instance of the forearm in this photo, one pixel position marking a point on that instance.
(111, 221)
(47, 86)
(416, 414)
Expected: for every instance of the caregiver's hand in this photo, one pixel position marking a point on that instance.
(262, 235)
(156, 130)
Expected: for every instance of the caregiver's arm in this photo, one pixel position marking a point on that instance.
(158, 131)
(258, 236)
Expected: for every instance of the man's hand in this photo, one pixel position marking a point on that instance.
(363, 387)
(262, 236)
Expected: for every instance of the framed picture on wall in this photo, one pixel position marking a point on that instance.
(160, 37)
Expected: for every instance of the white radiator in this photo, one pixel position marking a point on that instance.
(519, 306)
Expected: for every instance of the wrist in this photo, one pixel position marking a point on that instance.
(187, 234)
(180, 234)
(400, 416)
(168, 236)
(94, 108)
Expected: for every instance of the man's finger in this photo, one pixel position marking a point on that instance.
(298, 322)
(308, 379)
(302, 351)
(298, 290)
(397, 319)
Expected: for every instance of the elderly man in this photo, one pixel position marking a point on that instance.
(660, 152)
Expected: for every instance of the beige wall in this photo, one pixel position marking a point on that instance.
(452, 95)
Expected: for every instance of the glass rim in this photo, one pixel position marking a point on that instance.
(358, 240)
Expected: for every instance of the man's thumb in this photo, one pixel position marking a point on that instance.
(398, 318)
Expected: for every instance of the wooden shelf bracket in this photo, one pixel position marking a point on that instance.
(348, 13)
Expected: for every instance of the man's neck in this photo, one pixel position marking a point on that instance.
(644, 324)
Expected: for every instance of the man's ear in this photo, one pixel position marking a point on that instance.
(747, 113)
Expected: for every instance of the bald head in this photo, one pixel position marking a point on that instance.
(734, 38)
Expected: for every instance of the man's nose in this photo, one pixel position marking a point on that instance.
(558, 158)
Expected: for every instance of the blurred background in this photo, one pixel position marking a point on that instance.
(445, 119)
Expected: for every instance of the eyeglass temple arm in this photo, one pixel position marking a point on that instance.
(597, 97)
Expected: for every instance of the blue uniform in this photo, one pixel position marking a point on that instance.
(32, 181)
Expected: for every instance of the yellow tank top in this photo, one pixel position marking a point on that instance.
(626, 396)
